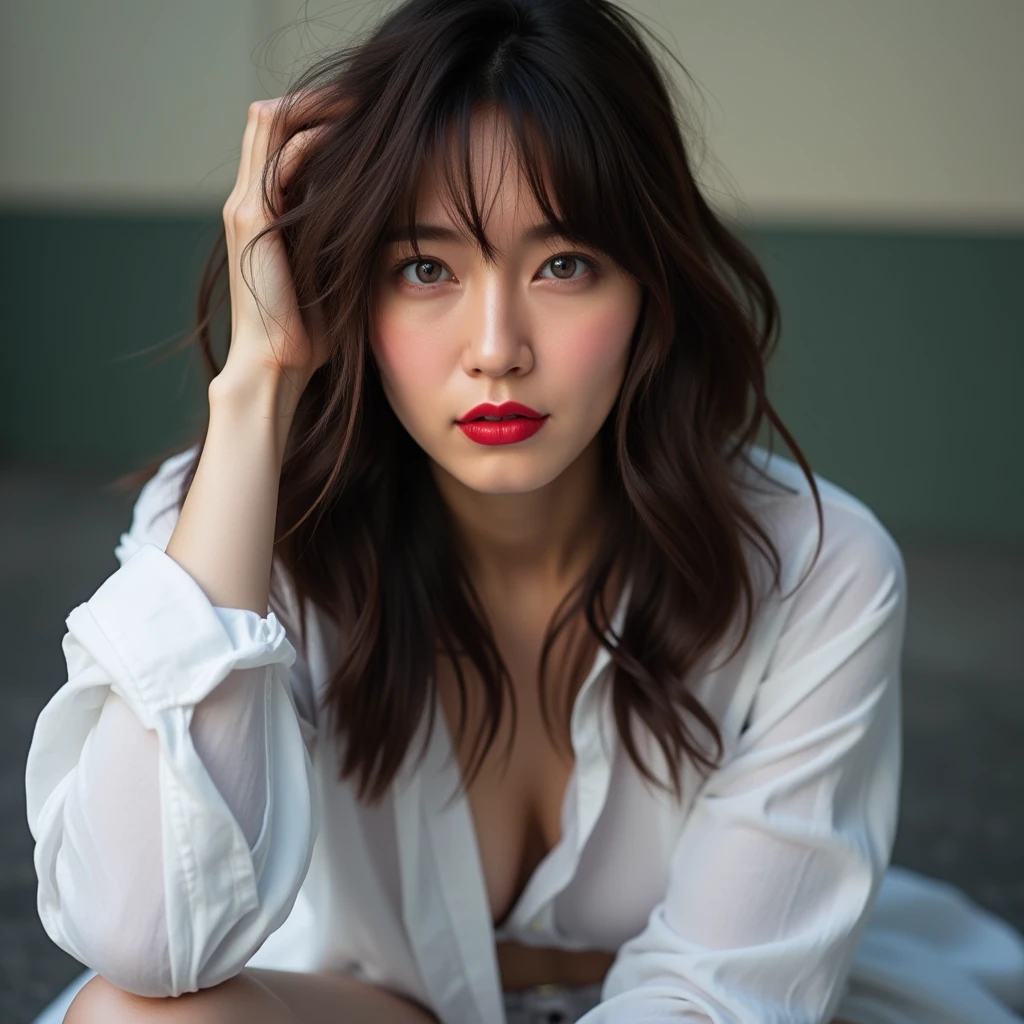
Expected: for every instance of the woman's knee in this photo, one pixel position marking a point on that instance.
(240, 999)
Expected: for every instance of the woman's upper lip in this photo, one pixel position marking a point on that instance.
(504, 409)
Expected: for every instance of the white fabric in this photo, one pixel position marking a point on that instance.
(182, 793)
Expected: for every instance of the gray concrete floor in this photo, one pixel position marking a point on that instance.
(963, 794)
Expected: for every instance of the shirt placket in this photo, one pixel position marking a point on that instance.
(445, 905)
(591, 731)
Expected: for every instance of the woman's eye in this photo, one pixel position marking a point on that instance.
(430, 276)
(427, 272)
(567, 265)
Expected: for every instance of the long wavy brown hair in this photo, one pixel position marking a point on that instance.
(362, 530)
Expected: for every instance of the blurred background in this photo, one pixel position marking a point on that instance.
(871, 153)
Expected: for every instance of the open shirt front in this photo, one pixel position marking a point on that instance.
(188, 821)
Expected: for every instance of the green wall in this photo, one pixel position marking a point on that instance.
(900, 368)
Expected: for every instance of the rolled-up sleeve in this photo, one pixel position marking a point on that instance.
(776, 869)
(169, 781)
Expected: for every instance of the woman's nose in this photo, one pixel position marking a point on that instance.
(496, 332)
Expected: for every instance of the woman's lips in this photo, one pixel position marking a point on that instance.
(509, 431)
(502, 410)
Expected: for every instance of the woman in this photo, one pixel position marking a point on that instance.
(396, 711)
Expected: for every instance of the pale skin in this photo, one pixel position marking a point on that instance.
(542, 328)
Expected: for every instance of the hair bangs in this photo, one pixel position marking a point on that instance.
(566, 178)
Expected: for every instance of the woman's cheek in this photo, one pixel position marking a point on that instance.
(597, 345)
(409, 356)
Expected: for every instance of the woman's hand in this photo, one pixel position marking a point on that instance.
(273, 341)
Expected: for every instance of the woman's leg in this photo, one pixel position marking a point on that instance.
(334, 998)
(255, 996)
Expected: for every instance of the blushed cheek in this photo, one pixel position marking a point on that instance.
(595, 346)
(404, 353)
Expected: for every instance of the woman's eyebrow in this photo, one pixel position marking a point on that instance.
(439, 233)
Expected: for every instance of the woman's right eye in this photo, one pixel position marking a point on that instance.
(434, 269)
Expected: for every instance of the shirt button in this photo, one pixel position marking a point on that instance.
(537, 923)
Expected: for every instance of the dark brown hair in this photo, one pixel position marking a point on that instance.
(361, 528)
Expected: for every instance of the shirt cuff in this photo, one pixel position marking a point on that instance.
(161, 641)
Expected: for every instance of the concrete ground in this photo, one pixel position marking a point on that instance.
(962, 810)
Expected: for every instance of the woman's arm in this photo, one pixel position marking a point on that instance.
(169, 783)
(778, 864)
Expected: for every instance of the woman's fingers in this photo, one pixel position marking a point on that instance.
(242, 180)
(294, 149)
(268, 330)
(260, 147)
(258, 141)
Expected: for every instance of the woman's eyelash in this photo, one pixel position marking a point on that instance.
(591, 265)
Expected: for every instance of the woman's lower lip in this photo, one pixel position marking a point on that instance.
(501, 431)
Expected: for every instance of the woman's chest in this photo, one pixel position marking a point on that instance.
(517, 793)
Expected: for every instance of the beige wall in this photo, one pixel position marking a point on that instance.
(872, 112)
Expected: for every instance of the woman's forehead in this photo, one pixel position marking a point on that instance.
(495, 165)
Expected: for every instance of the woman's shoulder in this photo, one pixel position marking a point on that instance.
(777, 491)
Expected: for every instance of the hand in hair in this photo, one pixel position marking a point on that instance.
(270, 335)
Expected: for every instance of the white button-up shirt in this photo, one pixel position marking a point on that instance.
(188, 820)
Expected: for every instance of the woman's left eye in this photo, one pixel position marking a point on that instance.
(566, 267)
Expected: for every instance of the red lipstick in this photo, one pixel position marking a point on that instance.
(524, 422)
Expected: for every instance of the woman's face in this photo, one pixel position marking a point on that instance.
(540, 327)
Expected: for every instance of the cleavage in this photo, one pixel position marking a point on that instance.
(516, 804)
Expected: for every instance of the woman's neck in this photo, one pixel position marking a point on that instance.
(535, 541)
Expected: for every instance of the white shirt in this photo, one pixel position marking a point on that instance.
(188, 820)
